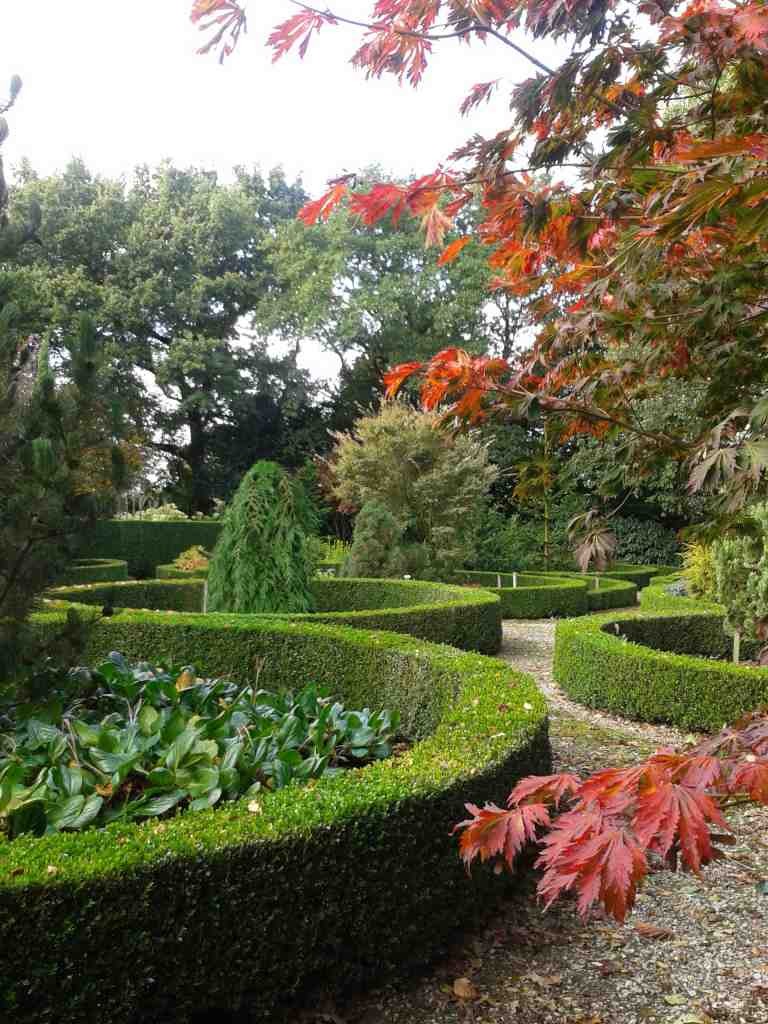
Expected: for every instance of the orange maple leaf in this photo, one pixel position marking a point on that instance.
(450, 253)
(322, 208)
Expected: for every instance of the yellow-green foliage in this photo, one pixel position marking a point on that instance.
(193, 558)
(699, 570)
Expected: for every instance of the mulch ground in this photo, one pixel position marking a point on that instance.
(695, 951)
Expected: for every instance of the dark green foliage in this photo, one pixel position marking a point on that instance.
(657, 598)
(56, 425)
(94, 570)
(145, 545)
(219, 643)
(645, 542)
(376, 544)
(337, 884)
(539, 597)
(657, 669)
(125, 742)
(173, 572)
(168, 595)
(263, 558)
(535, 597)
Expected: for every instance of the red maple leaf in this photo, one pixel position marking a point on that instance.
(322, 208)
(492, 831)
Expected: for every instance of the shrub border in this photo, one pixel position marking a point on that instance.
(95, 570)
(598, 666)
(441, 613)
(558, 596)
(332, 885)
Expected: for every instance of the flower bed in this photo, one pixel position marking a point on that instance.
(470, 620)
(244, 907)
(657, 668)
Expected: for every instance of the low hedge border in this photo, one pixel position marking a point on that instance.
(656, 598)
(640, 575)
(144, 544)
(172, 572)
(241, 908)
(470, 620)
(534, 597)
(95, 570)
(657, 668)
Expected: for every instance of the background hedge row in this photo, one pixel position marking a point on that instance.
(657, 668)
(95, 570)
(145, 545)
(470, 620)
(242, 908)
(545, 596)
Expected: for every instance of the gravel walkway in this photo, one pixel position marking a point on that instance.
(695, 951)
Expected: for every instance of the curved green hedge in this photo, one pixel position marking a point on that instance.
(172, 572)
(470, 620)
(607, 592)
(657, 668)
(243, 907)
(656, 598)
(145, 545)
(543, 596)
(95, 570)
(640, 575)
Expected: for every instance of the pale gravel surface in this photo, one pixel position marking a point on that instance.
(529, 967)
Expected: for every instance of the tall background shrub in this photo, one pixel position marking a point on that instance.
(263, 560)
(432, 482)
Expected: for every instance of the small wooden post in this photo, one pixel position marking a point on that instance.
(205, 597)
(514, 580)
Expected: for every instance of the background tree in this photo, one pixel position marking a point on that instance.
(55, 426)
(169, 267)
(263, 559)
(433, 484)
(376, 544)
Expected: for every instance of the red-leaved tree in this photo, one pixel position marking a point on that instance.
(628, 195)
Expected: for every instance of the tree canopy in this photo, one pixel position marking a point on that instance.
(647, 231)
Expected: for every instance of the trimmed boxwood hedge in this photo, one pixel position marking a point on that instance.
(606, 592)
(172, 572)
(547, 594)
(657, 668)
(165, 595)
(535, 597)
(95, 570)
(470, 620)
(145, 545)
(656, 598)
(241, 908)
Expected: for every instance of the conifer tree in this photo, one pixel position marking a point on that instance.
(263, 561)
(376, 545)
(51, 422)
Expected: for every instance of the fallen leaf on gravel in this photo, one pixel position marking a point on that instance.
(675, 1000)
(464, 989)
(652, 931)
(693, 1018)
(544, 980)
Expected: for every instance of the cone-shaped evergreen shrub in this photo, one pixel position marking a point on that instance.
(376, 545)
(263, 561)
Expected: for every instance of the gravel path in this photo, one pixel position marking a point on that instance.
(695, 951)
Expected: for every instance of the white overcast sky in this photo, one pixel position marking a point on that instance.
(118, 83)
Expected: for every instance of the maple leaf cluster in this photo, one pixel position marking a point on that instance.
(613, 825)
(646, 257)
